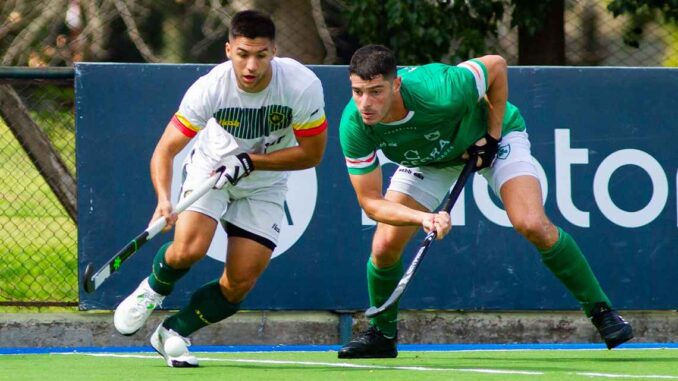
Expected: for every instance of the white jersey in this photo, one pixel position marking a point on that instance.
(228, 120)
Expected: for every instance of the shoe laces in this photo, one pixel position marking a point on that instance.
(604, 316)
(369, 334)
(147, 300)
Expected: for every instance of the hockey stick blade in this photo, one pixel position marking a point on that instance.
(91, 281)
(423, 249)
(87, 282)
(405, 280)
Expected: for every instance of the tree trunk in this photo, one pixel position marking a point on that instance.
(547, 45)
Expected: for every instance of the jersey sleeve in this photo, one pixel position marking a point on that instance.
(478, 77)
(309, 118)
(360, 153)
(196, 107)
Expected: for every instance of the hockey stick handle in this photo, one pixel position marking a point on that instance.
(423, 249)
(456, 191)
(159, 224)
(459, 185)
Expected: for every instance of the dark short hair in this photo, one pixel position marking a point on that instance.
(373, 60)
(251, 24)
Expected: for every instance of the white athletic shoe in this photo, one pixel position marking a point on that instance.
(173, 347)
(132, 313)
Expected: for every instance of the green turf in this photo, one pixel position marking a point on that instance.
(312, 366)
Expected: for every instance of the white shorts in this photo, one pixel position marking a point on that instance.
(259, 210)
(429, 185)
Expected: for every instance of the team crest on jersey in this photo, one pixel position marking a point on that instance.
(276, 118)
(433, 136)
(503, 152)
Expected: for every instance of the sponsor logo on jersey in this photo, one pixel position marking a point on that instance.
(433, 136)
(412, 154)
(229, 123)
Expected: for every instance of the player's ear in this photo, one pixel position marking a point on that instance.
(227, 48)
(396, 84)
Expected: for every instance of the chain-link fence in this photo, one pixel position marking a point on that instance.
(37, 228)
(37, 192)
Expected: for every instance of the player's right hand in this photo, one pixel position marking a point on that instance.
(440, 222)
(164, 209)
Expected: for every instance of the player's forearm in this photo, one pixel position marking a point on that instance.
(307, 154)
(287, 159)
(161, 173)
(392, 213)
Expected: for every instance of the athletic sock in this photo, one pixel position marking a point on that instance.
(568, 264)
(207, 306)
(163, 277)
(380, 285)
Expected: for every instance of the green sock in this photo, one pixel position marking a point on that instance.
(568, 264)
(163, 277)
(207, 306)
(380, 285)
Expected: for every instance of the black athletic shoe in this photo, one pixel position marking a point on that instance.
(370, 344)
(612, 327)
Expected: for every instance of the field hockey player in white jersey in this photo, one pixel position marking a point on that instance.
(258, 116)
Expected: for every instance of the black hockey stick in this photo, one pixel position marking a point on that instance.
(423, 249)
(91, 280)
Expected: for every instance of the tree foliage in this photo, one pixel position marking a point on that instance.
(641, 12)
(668, 8)
(421, 31)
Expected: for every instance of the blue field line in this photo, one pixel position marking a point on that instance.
(327, 348)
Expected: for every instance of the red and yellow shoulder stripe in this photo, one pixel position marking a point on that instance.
(183, 125)
(311, 128)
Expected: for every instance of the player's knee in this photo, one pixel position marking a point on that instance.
(235, 290)
(385, 252)
(385, 247)
(533, 226)
(180, 255)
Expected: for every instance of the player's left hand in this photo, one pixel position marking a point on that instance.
(486, 149)
(236, 167)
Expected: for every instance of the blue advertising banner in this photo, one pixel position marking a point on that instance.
(602, 139)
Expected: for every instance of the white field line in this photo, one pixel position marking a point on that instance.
(609, 375)
(329, 364)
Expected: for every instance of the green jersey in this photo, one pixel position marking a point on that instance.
(447, 113)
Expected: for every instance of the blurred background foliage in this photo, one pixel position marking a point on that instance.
(548, 32)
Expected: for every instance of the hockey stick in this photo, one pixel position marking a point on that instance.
(91, 280)
(423, 249)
